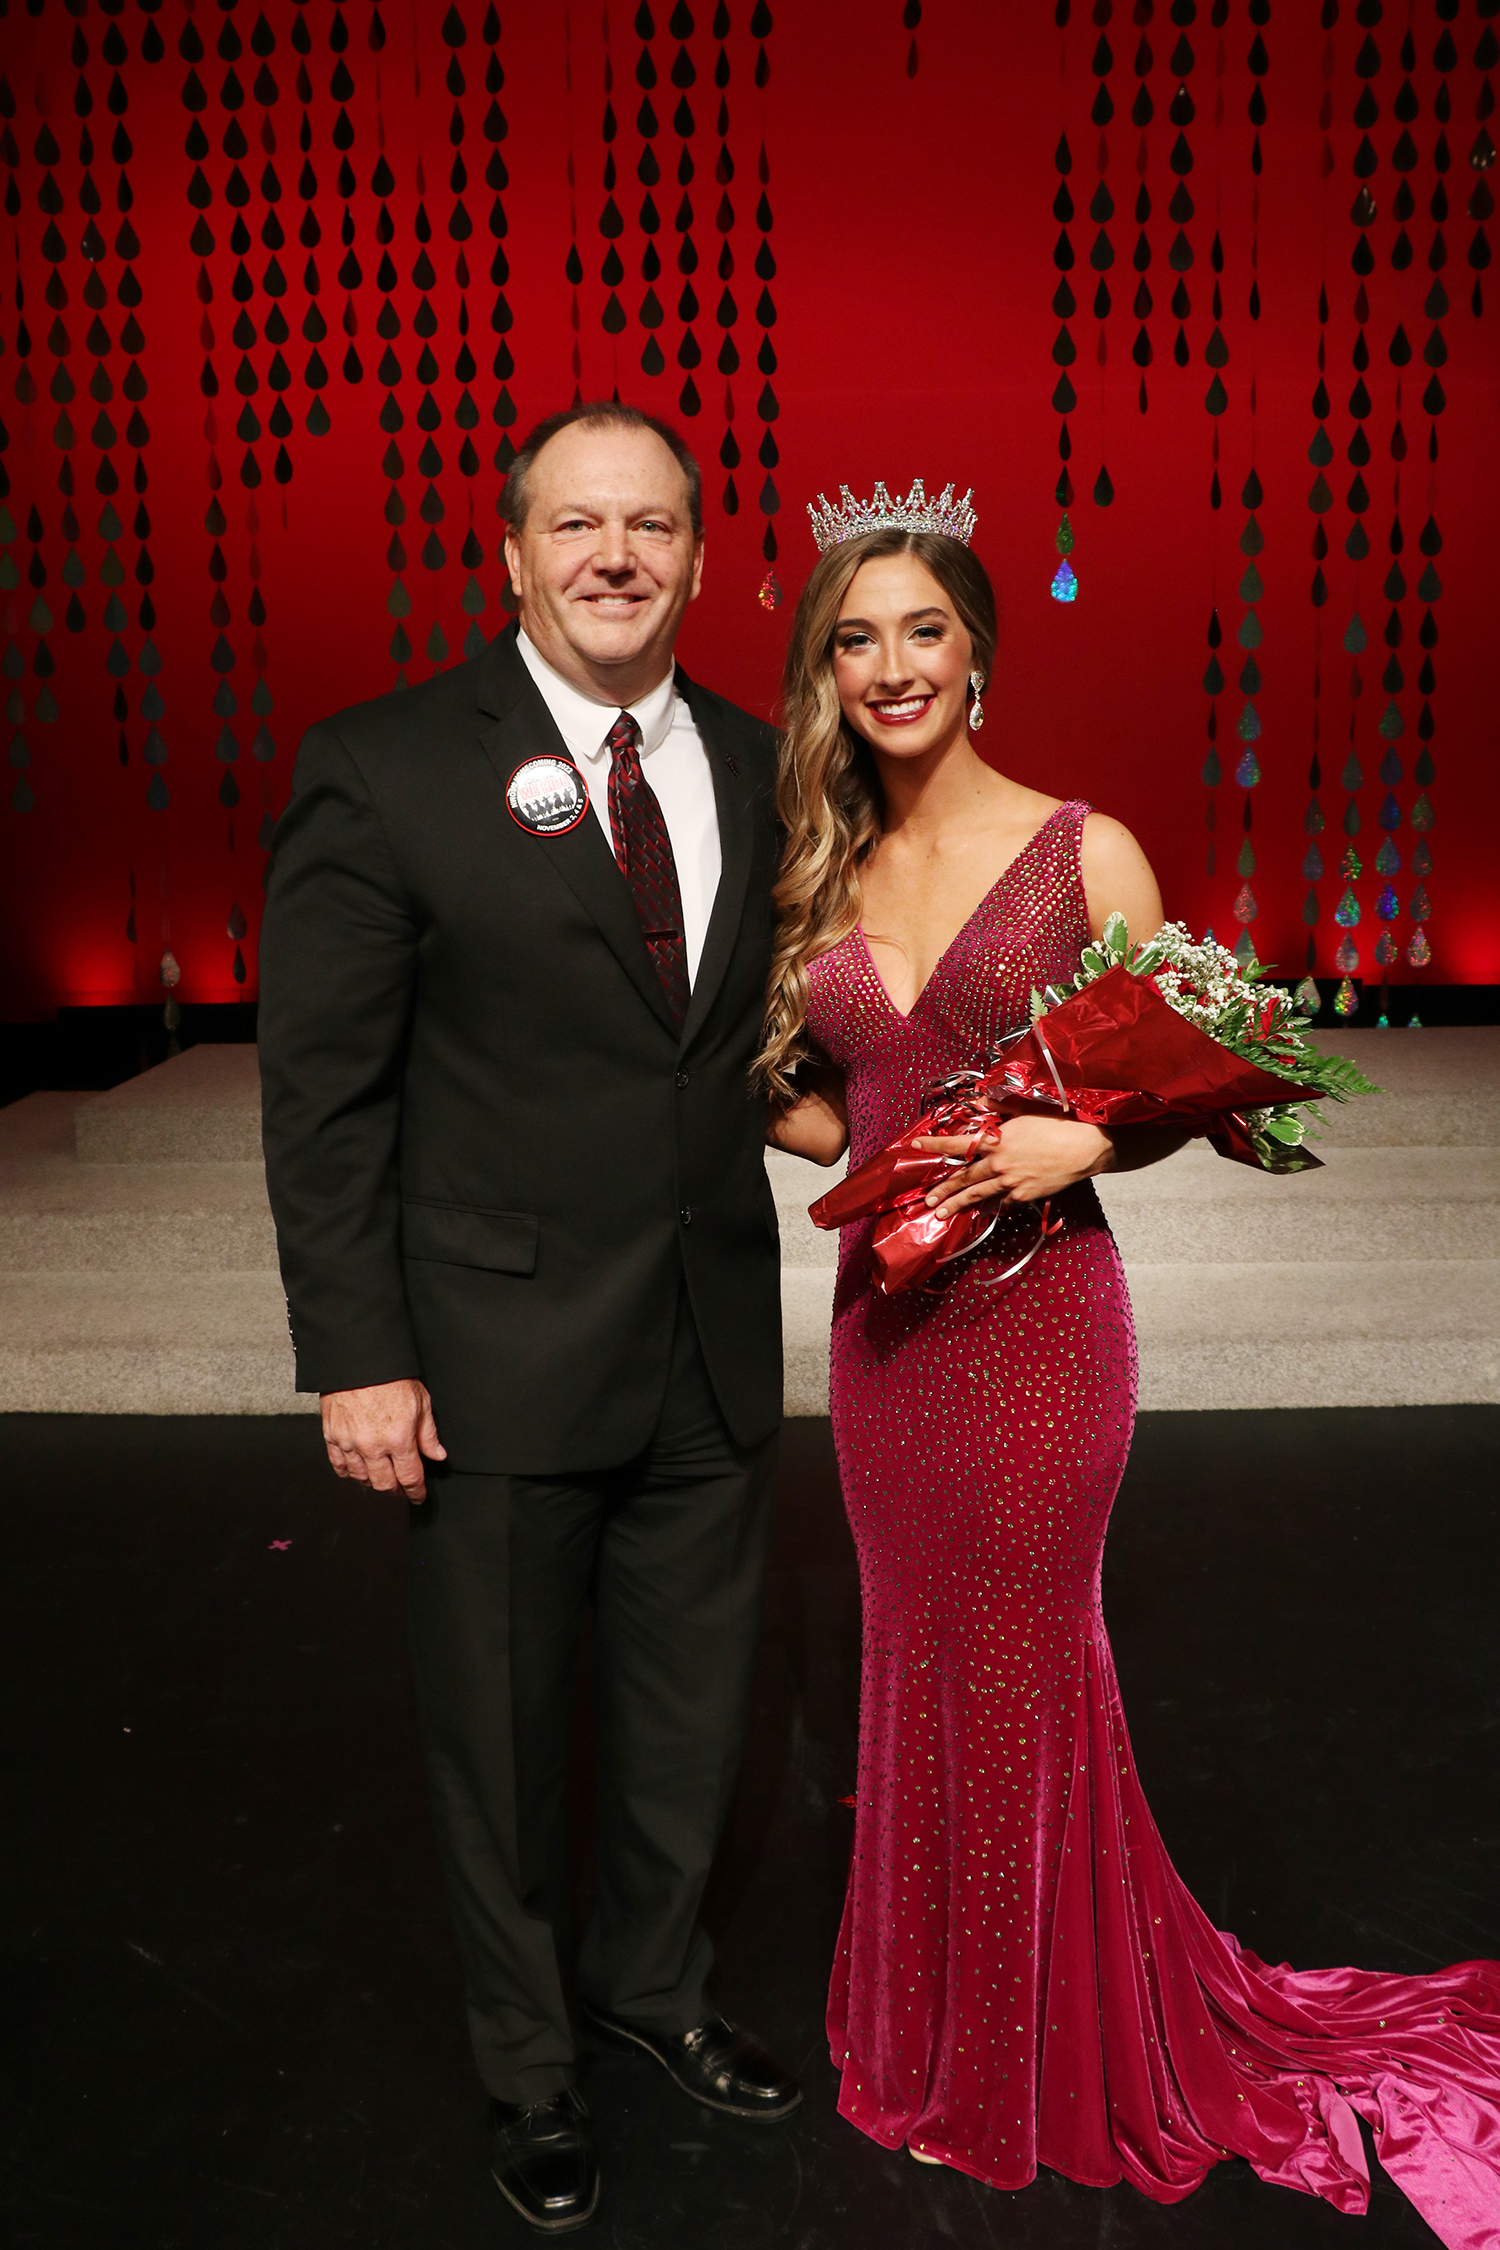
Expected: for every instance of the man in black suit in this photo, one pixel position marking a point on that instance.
(512, 977)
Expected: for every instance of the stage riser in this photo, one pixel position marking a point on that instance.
(204, 1237)
(1414, 1334)
(1438, 1089)
(205, 1219)
(1245, 1337)
(139, 1271)
(1362, 1203)
(203, 1107)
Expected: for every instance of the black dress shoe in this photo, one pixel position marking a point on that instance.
(717, 2064)
(544, 2162)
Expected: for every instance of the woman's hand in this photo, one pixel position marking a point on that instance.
(1024, 1161)
(816, 1125)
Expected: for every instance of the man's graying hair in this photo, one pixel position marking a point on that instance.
(598, 414)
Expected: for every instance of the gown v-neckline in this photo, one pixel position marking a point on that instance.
(905, 1015)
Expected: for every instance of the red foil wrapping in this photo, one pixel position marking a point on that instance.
(1115, 1054)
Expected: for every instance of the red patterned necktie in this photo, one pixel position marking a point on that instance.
(644, 851)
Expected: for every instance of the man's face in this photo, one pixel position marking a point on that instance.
(606, 561)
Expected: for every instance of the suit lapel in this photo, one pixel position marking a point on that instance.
(520, 727)
(732, 802)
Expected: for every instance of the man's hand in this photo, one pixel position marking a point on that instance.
(378, 1436)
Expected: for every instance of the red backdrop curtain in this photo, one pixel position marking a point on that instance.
(282, 289)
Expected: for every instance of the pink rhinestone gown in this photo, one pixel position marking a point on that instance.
(1021, 1977)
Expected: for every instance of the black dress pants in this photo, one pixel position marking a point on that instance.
(669, 1548)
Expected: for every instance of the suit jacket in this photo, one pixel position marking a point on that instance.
(491, 1156)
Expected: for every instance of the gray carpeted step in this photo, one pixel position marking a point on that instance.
(202, 1107)
(183, 1218)
(1210, 1336)
(137, 1260)
(1385, 1332)
(1440, 1089)
(1415, 1333)
(145, 1343)
(60, 1215)
(1363, 1203)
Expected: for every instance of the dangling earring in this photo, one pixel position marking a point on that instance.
(976, 708)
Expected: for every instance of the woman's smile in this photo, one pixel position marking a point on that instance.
(902, 713)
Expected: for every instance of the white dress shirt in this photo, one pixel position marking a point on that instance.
(673, 760)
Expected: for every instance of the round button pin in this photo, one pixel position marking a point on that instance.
(548, 796)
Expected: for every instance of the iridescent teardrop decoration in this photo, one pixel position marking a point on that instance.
(1346, 999)
(769, 596)
(1307, 998)
(171, 977)
(1064, 587)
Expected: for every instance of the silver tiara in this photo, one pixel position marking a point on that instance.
(952, 519)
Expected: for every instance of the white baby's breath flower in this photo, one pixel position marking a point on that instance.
(1202, 981)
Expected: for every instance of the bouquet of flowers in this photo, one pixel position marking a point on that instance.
(1169, 1033)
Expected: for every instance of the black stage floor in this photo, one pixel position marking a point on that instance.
(230, 2009)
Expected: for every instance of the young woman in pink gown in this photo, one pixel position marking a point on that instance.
(1021, 1977)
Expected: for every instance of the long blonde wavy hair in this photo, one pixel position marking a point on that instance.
(828, 792)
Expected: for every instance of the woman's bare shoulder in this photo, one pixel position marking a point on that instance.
(1107, 843)
(1117, 877)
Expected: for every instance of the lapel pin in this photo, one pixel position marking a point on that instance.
(548, 796)
(733, 767)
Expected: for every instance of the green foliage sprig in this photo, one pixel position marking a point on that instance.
(1233, 1004)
